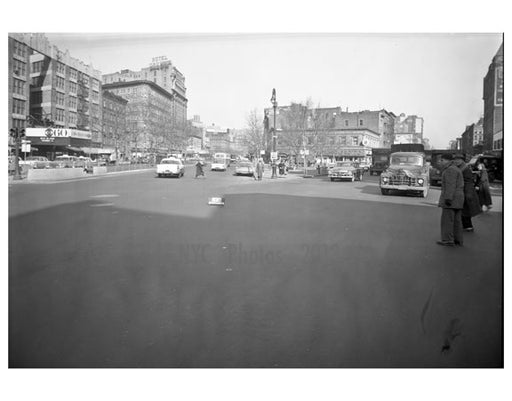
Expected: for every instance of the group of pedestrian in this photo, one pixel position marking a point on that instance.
(461, 198)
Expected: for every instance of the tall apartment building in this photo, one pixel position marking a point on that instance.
(149, 125)
(114, 124)
(493, 103)
(19, 81)
(50, 88)
(163, 73)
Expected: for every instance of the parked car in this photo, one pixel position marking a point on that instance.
(244, 168)
(170, 167)
(35, 162)
(65, 161)
(346, 171)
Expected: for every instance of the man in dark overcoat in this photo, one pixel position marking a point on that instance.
(471, 203)
(451, 201)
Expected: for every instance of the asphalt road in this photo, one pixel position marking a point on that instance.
(130, 270)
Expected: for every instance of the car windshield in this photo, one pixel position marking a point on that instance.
(64, 157)
(169, 161)
(219, 160)
(245, 164)
(344, 164)
(406, 160)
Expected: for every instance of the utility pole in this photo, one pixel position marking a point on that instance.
(17, 134)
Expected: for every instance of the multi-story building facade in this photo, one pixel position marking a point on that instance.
(218, 139)
(149, 125)
(19, 81)
(330, 132)
(163, 73)
(408, 129)
(114, 124)
(493, 104)
(50, 88)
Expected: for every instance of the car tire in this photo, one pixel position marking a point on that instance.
(332, 179)
(384, 191)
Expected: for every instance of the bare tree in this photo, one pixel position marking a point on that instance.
(255, 137)
(295, 124)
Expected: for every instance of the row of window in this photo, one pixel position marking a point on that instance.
(18, 86)
(19, 67)
(19, 48)
(18, 106)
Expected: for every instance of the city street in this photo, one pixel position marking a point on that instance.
(130, 270)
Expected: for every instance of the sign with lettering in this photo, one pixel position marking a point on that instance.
(216, 201)
(57, 133)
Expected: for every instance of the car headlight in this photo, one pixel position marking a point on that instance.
(384, 179)
(420, 181)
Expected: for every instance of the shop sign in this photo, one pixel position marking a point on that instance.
(57, 133)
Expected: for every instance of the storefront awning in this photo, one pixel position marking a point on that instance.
(97, 151)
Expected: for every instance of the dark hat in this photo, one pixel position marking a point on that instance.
(447, 156)
(458, 156)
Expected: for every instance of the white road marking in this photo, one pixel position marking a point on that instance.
(104, 196)
(102, 204)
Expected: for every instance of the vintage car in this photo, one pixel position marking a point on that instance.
(407, 172)
(346, 171)
(244, 168)
(65, 161)
(170, 167)
(86, 163)
(35, 162)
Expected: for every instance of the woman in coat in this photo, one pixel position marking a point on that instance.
(259, 169)
(452, 202)
(471, 203)
(484, 192)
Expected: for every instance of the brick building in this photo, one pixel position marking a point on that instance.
(48, 87)
(163, 73)
(493, 104)
(149, 125)
(114, 124)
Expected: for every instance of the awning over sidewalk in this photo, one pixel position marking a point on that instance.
(97, 151)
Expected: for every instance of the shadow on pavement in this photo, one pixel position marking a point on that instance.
(266, 281)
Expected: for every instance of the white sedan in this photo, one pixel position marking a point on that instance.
(170, 167)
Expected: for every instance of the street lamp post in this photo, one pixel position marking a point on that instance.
(274, 133)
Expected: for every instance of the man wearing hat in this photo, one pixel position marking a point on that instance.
(471, 203)
(452, 202)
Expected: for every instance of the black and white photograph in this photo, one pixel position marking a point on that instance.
(191, 200)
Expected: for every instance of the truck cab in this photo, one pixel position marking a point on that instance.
(408, 172)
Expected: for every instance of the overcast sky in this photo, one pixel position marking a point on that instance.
(436, 76)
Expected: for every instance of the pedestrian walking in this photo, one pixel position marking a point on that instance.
(259, 169)
(484, 192)
(281, 167)
(273, 164)
(199, 168)
(471, 203)
(451, 201)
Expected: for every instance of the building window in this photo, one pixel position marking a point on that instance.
(19, 67)
(18, 86)
(36, 97)
(17, 123)
(18, 106)
(346, 123)
(360, 122)
(61, 68)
